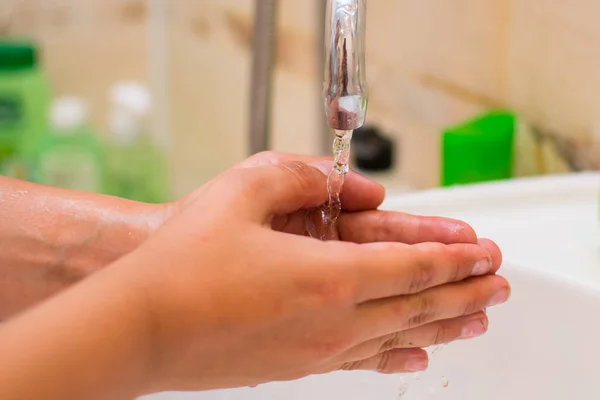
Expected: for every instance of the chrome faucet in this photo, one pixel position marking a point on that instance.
(345, 89)
(345, 86)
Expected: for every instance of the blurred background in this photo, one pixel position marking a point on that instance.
(147, 99)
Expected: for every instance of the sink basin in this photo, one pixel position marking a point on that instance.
(543, 344)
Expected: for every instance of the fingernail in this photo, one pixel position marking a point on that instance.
(416, 363)
(323, 166)
(472, 329)
(499, 298)
(482, 267)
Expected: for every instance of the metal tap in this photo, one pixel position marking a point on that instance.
(345, 86)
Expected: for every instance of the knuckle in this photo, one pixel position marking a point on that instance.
(328, 347)
(392, 341)
(432, 248)
(456, 266)
(442, 335)
(297, 168)
(472, 304)
(330, 291)
(267, 157)
(456, 271)
(351, 366)
(301, 173)
(425, 269)
(384, 229)
(383, 365)
(421, 277)
(422, 312)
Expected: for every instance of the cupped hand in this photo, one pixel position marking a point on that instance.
(232, 302)
(361, 221)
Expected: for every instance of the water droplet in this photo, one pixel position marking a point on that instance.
(445, 381)
(403, 388)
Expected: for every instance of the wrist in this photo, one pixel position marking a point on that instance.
(114, 230)
(81, 234)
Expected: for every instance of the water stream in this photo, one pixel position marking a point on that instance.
(321, 224)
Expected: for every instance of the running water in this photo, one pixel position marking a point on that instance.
(407, 381)
(320, 223)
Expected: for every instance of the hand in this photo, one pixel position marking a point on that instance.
(360, 220)
(232, 302)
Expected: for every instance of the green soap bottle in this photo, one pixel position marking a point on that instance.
(70, 156)
(479, 150)
(24, 101)
(137, 168)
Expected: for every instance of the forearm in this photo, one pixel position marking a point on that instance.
(51, 238)
(81, 344)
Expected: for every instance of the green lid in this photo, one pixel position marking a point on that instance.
(17, 55)
(479, 150)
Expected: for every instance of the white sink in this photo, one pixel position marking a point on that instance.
(543, 344)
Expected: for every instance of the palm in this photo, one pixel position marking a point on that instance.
(360, 221)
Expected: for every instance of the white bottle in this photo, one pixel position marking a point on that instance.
(136, 166)
(128, 119)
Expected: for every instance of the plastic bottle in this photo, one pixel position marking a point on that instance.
(70, 155)
(24, 100)
(479, 150)
(137, 168)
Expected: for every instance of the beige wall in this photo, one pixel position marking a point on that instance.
(430, 63)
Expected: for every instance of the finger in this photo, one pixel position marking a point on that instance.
(444, 302)
(358, 193)
(388, 226)
(280, 189)
(495, 253)
(393, 269)
(266, 158)
(438, 332)
(391, 362)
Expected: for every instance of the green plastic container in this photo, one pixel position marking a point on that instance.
(479, 150)
(137, 168)
(137, 171)
(24, 100)
(70, 155)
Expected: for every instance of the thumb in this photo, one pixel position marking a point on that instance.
(283, 188)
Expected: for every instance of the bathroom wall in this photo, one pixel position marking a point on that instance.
(430, 63)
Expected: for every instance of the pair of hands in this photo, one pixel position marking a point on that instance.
(235, 295)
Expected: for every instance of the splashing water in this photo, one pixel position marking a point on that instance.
(320, 222)
(406, 382)
(445, 381)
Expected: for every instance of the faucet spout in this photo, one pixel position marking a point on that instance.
(345, 86)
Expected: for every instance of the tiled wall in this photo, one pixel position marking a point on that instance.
(430, 63)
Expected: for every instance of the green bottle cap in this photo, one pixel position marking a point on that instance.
(17, 55)
(479, 150)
